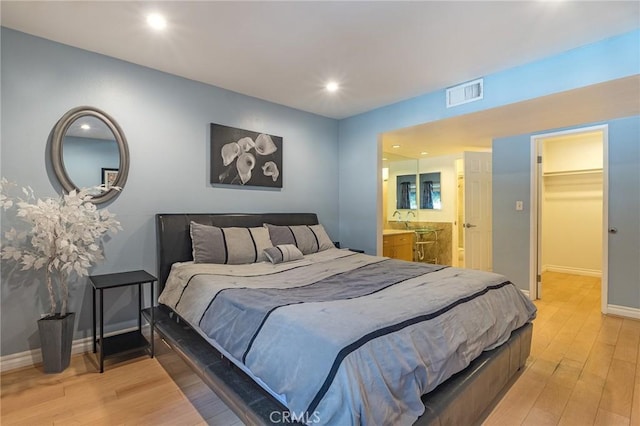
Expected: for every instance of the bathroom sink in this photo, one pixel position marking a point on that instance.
(420, 229)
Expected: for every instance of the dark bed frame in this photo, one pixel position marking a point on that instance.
(464, 399)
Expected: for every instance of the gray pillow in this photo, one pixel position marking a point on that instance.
(231, 246)
(283, 253)
(308, 238)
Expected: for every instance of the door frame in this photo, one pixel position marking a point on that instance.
(535, 193)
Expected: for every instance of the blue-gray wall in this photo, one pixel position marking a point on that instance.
(511, 182)
(359, 152)
(511, 228)
(166, 122)
(614, 58)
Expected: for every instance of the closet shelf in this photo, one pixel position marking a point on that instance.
(573, 172)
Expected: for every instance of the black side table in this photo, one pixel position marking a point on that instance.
(123, 342)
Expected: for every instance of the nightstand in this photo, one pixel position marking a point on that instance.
(337, 244)
(123, 342)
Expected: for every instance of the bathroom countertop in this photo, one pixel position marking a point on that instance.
(397, 231)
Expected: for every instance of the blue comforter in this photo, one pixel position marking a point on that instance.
(347, 338)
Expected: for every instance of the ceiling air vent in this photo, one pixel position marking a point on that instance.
(466, 92)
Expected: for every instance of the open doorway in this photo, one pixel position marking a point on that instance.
(570, 219)
(447, 210)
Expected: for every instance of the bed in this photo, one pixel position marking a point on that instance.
(336, 336)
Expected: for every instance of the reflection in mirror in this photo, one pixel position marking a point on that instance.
(430, 191)
(89, 149)
(398, 166)
(406, 192)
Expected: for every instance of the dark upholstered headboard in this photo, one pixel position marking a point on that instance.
(174, 240)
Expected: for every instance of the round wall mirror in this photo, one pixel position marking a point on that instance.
(88, 150)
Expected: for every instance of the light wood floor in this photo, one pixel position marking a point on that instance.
(583, 370)
(584, 367)
(133, 390)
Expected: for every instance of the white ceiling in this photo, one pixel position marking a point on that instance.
(284, 52)
(97, 129)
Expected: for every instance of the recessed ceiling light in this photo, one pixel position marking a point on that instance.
(156, 21)
(395, 146)
(332, 86)
(424, 153)
(85, 127)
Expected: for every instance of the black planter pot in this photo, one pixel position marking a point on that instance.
(56, 336)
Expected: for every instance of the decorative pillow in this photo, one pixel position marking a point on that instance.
(283, 253)
(232, 246)
(308, 238)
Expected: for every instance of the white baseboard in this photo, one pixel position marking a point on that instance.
(623, 311)
(34, 356)
(573, 271)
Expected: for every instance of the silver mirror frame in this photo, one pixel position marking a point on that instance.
(59, 132)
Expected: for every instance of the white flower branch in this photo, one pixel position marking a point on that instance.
(61, 235)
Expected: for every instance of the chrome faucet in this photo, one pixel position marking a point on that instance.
(396, 213)
(406, 221)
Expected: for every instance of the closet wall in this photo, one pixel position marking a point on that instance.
(572, 204)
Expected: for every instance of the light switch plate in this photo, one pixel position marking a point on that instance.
(519, 206)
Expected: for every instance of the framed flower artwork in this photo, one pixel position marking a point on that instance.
(244, 157)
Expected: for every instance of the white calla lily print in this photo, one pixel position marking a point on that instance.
(241, 152)
(246, 144)
(229, 152)
(271, 169)
(245, 164)
(265, 145)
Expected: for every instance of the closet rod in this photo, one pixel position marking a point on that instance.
(573, 172)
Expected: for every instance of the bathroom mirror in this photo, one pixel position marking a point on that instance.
(430, 191)
(89, 149)
(406, 192)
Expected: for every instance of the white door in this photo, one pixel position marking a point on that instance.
(477, 211)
